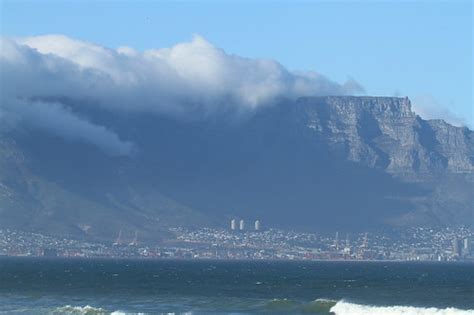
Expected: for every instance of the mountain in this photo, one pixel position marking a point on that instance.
(317, 163)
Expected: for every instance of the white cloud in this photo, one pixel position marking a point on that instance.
(64, 123)
(188, 77)
(427, 107)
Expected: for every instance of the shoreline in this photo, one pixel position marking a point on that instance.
(158, 259)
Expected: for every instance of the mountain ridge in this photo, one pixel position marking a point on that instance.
(402, 127)
(287, 164)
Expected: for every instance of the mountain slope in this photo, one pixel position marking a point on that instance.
(36, 199)
(316, 163)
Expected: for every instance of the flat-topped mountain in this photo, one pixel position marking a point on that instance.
(336, 162)
(384, 132)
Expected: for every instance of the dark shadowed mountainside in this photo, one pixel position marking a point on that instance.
(351, 163)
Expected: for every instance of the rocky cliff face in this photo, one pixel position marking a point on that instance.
(385, 133)
(349, 163)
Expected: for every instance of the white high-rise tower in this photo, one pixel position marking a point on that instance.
(257, 225)
(242, 225)
(233, 224)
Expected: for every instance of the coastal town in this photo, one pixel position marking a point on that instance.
(238, 242)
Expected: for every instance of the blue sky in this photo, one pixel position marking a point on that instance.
(419, 49)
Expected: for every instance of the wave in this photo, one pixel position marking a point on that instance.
(319, 306)
(322, 306)
(88, 310)
(287, 306)
(333, 307)
(346, 308)
(80, 310)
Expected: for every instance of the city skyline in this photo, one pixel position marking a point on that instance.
(233, 243)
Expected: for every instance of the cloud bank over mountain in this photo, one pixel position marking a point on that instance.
(166, 79)
(190, 78)
(61, 121)
(427, 107)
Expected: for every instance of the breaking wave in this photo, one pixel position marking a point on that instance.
(80, 310)
(333, 307)
(88, 310)
(319, 306)
(284, 306)
(346, 308)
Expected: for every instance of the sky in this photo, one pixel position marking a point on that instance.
(421, 49)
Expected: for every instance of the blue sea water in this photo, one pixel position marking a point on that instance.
(103, 286)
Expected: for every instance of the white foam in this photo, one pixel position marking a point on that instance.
(89, 310)
(79, 310)
(346, 308)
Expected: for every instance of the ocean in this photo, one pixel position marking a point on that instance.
(106, 286)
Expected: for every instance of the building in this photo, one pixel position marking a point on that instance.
(233, 224)
(456, 247)
(466, 249)
(242, 225)
(257, 225)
